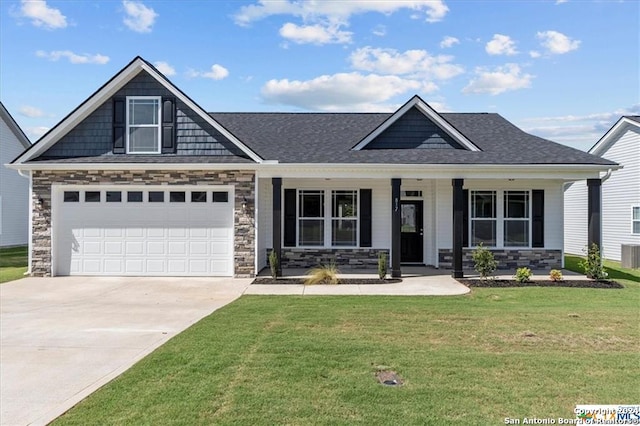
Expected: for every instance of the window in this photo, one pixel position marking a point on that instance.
(71, 196)
(220, 196)
(311, 218)
(176, 197)
(198, 197)
(156, 196)
(143, 125)
(344, 218)
(635, 220)
(327, 218)
(92, 197)
(134, 196)
(483, 218)
(516, 218)
(114, 196)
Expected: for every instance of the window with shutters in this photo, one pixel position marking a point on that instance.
(143, 124)
(328, 224)
(516, 218)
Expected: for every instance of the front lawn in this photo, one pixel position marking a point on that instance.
(472, 360)
(615, 271)
(13, 263)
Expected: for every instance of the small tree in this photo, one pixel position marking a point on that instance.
(592, 265)
(484, 261)
(273, 264)
(382, 265)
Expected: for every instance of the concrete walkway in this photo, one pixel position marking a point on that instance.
(416, 281)
(63, 338)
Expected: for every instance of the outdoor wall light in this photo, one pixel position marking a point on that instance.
(244, 204)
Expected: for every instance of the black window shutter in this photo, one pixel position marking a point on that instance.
(168, 125)
(365, 218)
(289, 218)
(465, 218)
(537, 218)
(119, 125)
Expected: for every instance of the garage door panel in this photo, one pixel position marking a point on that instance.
(142, 238)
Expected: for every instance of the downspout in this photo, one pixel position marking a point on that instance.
(606, 176)
(30, 235)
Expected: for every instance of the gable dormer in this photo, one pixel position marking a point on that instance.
(416, 126)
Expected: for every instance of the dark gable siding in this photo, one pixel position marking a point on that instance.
(413, 130)
(93, 137)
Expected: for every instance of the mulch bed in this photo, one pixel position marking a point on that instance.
(269, 280)
(541, 283)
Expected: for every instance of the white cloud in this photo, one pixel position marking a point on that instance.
(448, 41)
(139, 18)
(380, 30)
(502, 79)
(42, 15)
(340, 92)
(561, 1)
(557, 43)
(30, 111)
(34, 133)
(217, 72)
(74, 58)
(337, 11)
(314, 34)
(534, 54)
(165, 68)
(501, 44)
(417, 63)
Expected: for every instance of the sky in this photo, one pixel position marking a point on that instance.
(565, 70)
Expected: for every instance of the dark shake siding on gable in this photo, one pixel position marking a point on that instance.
(413, 131)
(93, 137)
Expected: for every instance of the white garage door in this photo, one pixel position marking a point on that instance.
(152, 231)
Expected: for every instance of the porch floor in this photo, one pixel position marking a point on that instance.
(416, 281)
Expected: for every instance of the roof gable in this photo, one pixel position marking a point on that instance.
(413, 130)
(13, 126)
(442, 133)
(111, 88)
(613, 134)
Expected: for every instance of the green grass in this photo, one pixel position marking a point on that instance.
(615, 271)
(467, 360)
(13, 263)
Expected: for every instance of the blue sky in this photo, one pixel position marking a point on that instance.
(565, 70)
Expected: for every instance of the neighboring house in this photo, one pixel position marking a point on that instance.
(620, 194)
(14, 189)
(140, 180)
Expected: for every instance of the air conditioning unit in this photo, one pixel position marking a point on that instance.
(630, 256)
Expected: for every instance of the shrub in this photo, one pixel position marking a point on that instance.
(382, 265)
(555, 275)
(484, 261)
(592, 265)
(273, 264)
(523, 275)
(323, 274)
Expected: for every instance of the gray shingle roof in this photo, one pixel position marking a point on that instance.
(635, 118)
(329, 137)
(146, 159)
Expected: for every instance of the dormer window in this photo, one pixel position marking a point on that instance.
(143, 124)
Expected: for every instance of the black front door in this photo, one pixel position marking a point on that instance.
(411, 232)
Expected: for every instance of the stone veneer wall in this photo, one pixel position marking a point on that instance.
(243, 181)
(365, 258)
(508, 259)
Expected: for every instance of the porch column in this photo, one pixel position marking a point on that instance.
(396, 227)
(458, 226)
(276, 184)
(594, 213)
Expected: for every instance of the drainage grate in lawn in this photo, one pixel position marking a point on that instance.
(388, 378)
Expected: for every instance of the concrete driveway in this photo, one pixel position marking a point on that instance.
(62, 338)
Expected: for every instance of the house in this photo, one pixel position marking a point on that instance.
(140, 180)
(14, 189)
(620, 194)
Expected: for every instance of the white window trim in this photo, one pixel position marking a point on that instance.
(634, 220)
(157, 126)
(327, 218)
(500, 219)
